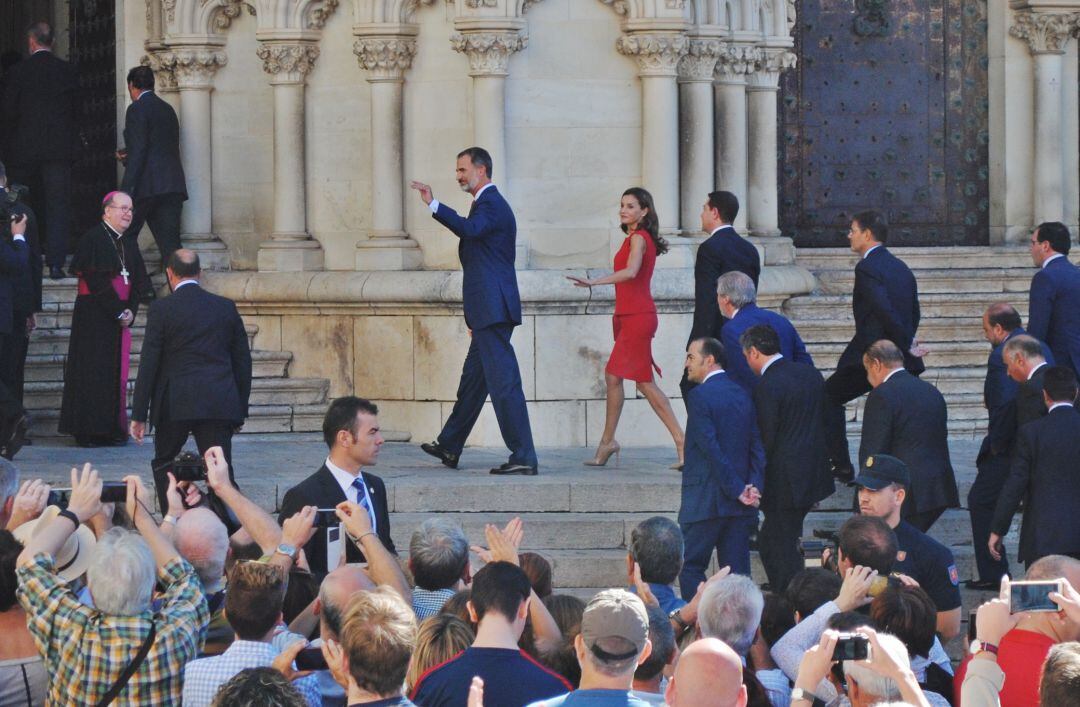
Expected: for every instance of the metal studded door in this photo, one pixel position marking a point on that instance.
(93, 53)
(887, 109)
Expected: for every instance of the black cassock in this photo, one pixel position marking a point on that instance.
(94, 406)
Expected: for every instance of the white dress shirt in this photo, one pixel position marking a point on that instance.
(892, 373)
(771, 361)
(1055, 256)
(1058, 405)
(871, 250)
(1044, 363)
(710, 374)
(345, 481)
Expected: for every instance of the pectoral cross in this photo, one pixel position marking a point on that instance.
(124, 274)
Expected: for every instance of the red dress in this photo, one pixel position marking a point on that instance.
(635, 317)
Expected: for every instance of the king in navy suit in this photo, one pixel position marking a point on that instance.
(724, 473)
(1054, 301)
(737, 297)
(492, 309)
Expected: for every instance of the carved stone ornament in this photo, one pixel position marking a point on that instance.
(163, 64)
(192, 67)
(386, 57)
(621, 7)
(481, 3)
(736, 61)
(230, 10)
(526, 4)
(288, 62)
(489, 52)
(170, 9)
(766, 73)
(656, 54)
(321, 14)
(1044, 32)
(699, 63)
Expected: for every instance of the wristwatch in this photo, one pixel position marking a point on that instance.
(287, 550)
(981, 646)
(797, 693)
(677, 618)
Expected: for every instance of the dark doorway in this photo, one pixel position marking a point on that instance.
(887, 109)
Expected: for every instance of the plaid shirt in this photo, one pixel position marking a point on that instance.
(429, 602)
(85, 649)
(203, 677)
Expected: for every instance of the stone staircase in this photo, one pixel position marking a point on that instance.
(278, 403)
(955, 286)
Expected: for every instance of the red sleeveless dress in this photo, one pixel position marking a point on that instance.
(635, 319)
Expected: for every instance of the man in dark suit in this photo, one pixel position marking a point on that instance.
(492, 309)
(40, 120)
(907, 418)
(1043, 475)
(1001, 323)
(737, 297)
(14, 268)
(790, 405)
(724, 470)
(26, 300)
(1026, 364)
(722, 252)
(194, 372)
(1054, 300)
(886, 306)
(351, 432)
(153, 174)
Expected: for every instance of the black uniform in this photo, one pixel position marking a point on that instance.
(929, 563)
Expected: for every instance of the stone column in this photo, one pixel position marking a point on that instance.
(388, 246)
(731, 130)
(658, 56)
(194, 68)
(290, 247)
(696, 137)
(1047, 35)
(763, 85)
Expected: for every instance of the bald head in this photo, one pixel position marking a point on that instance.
(334, 595)
(183, 265)
(709, 674)
(203, 540)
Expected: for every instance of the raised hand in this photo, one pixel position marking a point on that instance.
(424, 189)
(29, 502)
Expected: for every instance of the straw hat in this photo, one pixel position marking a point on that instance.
(74, 557)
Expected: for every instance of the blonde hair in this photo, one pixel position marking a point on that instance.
(439, 639)
(377, 636)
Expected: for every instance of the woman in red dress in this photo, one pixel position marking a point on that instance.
(634, 322)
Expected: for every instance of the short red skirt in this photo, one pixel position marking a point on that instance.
(631, 357)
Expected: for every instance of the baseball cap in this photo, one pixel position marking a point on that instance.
(615, 613)
(881, 470)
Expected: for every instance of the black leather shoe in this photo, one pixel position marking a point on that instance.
(508, 469)
(56, 273)
(437, 451)
(845, 475)
(982, 585)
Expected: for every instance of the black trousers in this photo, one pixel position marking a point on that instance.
(50, 198)
(162, 212)
(169, 440)
(982, 499)
(20, 345)
(778, 545)
(843, 386)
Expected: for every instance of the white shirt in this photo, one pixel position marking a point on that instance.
(871, 250)
(771, 361)
(345, 481)
(185, 282)
(721, 228)
(892, 373)
(1055, 256)
(1044, 363)
(144, 92)
(1058, 405)
(710, 374)
(434, 205)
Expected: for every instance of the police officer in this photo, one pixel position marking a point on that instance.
(882, 482)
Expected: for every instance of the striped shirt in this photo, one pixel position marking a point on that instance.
(203, 677)
(86, 650)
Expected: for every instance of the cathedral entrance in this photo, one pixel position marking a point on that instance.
(887, 109)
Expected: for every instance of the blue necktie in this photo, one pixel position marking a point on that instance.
(363, 500)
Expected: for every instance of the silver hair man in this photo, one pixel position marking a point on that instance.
(438, 554)
(737, 287)
(122, 573)
(731, 611)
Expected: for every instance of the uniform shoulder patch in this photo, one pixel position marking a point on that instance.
(954, 576)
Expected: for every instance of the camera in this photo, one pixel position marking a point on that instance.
(813, 549)
(1033, 596)
(8, 199)
(851, 646)
(189, 466)
(311, 659)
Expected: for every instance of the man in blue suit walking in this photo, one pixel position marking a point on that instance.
(724, 472)
(492, 309)
(1054, 302)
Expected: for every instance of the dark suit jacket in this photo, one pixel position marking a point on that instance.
(40, 107)
(195, 364)
(886, 306)
(14, 266)
(1029, 404)
(1054, 310)
(907, 418)
(489, 289)
(722, 252)
(791, 344)
(26, 289)
(321, 489)
(723, 451)
(1044, 472)
(999, 398)
(790, 404)
(152, 140)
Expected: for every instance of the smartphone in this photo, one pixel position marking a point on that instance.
(326, 518)
(1033, 596)
(971, 625)
(311, 659)
(852, 646)
(113, 492)
(59, 498)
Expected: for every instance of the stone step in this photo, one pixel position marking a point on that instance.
(991, 281)
(964, 305)
(931, 331)
(942, 355)
(50, 367)
(959, 257)
(56, 341)
(261, 419)
(45, 395)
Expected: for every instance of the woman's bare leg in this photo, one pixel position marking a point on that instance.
(662, 407)
(615, 397)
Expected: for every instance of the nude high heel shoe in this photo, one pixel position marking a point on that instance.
(603, 453)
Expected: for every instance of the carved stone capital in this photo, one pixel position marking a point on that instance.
(163, 64)
(656, 54)
(489, 52)
(387, 58)
(288, 62)
(191, 67)
(1044, 32)
(699, 63)
(767, 68)
(736, 61)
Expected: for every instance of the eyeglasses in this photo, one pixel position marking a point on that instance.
(121, 209)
